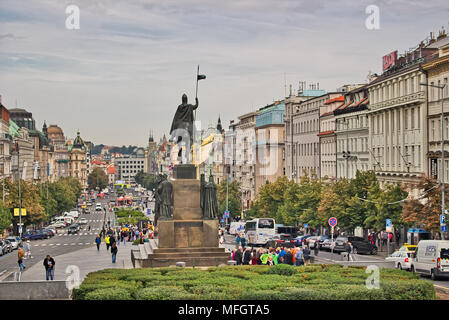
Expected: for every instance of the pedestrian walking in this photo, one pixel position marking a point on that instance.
(20, 255)
(49, 264)
(306, 256)
(315, 248)
(28, 250)
(349, 249)
(89, 227)
(106, 240)
(242, 240)
(114, 251)
(237, 241)
(98, 242)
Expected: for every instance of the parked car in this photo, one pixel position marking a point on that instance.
(360, 245)
(298, 240)
(6, 246)
(402, 259)
(327, 244)
(33, 235)
(48, 232)
(15, 242)
(280, 240)
(321, 240)
(431, 258)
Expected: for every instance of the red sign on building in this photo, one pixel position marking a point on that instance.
(389, 60)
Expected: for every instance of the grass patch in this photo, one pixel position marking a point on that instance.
(281, 282)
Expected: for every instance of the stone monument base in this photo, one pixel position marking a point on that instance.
(187, 237)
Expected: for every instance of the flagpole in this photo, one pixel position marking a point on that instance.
(196, 92)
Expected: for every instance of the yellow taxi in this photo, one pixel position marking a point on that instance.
(408, 247)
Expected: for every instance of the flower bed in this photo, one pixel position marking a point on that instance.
(282, 282)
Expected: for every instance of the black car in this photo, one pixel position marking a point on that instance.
(72, 229)
(47, 233)
(360, 245)
(281, 240)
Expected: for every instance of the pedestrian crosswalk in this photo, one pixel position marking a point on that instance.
(77, 234)
(64, 244)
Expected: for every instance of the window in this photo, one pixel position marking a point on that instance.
(432, 91)
(412, 118)
(405, 119)
(432, 131)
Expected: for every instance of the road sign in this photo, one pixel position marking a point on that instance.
(17, 214)
(444, 228)
(226, 214)
(332, 221)
(442, 219)
(20, 230)
(306, 225)
(389, 226)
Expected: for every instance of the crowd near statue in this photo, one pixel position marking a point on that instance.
(163, 196)
(182, 127)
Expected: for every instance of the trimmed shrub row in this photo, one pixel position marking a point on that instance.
(281, 282)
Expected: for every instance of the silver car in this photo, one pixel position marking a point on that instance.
(15, 242)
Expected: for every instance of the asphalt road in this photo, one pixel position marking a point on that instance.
(62, 242)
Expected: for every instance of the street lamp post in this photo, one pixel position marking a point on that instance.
(442, 148)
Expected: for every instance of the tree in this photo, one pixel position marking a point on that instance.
(97, 179)
(271, 197)
(425, 212)
(5, 217)
(29, 199)
(234, 198)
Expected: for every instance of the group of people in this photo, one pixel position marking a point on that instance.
(49, 262)
(113, 237)
(281, 255)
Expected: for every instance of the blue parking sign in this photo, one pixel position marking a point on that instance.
(389, 224)
(442, 219)
(444, 228)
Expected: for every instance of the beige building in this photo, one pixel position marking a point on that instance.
(327, 137)
(77, 165)
(438, 73)
(398, 119)
(351, 134)
(246, 157)
(270, 144)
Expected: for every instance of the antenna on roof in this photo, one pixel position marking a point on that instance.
(285, 84)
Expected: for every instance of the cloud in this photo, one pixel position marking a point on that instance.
(124, 71)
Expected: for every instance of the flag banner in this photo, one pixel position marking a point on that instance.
(201, 77)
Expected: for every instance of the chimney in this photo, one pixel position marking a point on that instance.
(318, 86)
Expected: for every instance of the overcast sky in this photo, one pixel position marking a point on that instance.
(124, 71)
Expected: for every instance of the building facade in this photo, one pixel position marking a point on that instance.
(270, 144)
(351, 134)
(327, 138)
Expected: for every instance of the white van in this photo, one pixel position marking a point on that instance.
(74, 213)
(431, 258)
(236, 227)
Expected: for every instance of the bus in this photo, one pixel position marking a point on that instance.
(259, 231)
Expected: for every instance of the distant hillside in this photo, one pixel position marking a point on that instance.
(123, 149)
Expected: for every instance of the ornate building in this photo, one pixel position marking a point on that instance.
(77, 166)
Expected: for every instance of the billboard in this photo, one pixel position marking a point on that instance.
(389, 60)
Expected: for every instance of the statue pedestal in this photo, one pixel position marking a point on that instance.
(188, 237)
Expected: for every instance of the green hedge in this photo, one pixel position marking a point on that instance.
(281, 282)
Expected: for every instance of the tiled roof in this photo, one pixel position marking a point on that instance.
(337, 99)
